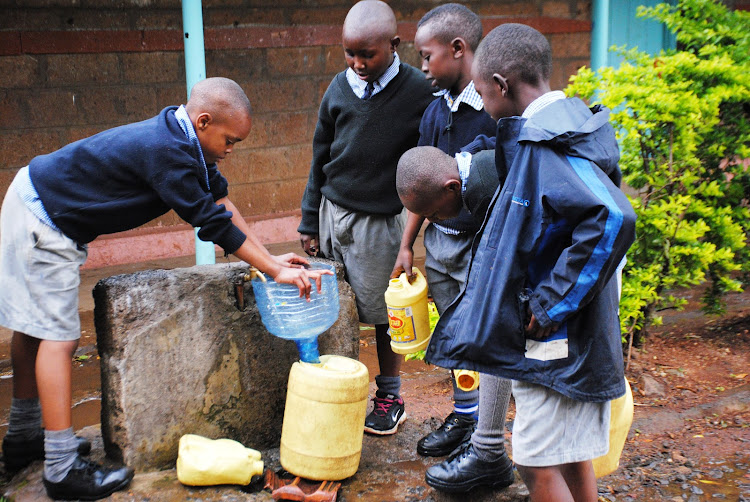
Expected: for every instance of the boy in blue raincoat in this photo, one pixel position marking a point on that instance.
(540, 303)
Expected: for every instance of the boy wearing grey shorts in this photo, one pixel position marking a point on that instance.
(540, 306)
(351, 213)
(113, 181)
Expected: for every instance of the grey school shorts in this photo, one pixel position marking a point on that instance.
(39, 270)
(446, 263)
(367, 245)
(552, 429)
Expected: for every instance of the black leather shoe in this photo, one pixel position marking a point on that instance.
(89, 481)
(18, 453)
(448, 437)
(464, 471)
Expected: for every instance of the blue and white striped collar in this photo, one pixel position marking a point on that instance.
(545, 99)
(186, 125)
(469, 95)
(358, 85)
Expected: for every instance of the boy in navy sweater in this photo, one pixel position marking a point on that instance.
(351, 212)
(542, 283)
(446, 39)
(113, 181)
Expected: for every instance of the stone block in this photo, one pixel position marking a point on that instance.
(178, 357)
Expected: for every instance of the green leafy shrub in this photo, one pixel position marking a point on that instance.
(684, 134)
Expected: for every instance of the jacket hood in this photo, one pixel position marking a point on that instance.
(568, 125)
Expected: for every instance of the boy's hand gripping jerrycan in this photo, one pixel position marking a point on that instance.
(207, 462)
(286, 315)
(408, 317)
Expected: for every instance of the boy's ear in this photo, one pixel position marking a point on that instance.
(203, 120)
(501, 82)
(452, 185)
(458, 46)
(394, 43)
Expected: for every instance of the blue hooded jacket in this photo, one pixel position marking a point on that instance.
(553, 237)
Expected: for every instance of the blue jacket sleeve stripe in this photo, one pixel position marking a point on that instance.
(590, 272)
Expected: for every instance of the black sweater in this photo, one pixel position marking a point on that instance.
(358, 142)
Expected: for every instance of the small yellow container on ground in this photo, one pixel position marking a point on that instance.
(326, 404)
(620, 420)
(206, 462)
(408, 317)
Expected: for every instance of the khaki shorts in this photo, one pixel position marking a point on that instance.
(367, 245)
(39, 270)
(552, 429)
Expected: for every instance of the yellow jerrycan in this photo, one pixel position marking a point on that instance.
(466, 380)
(408, 317)
(324, 418)
(620, 420)
(205, 462)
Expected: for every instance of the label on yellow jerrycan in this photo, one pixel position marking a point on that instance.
(408, 317)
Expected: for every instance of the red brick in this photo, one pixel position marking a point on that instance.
(67, 69)
(409, 54)
(570, 45)
(281, 95)
(163, 40)
(6, 177)
(152, 67)
(64, 42)
(526, 9)
(172, 94)
(20, 146)
(319, 16)
(158, 19)
(556, 9)
(10, 43)
(297, 61)
(241, 66)
(269, 197)
(334, 59)
(50, 108)
(120, 104)
(14, 109)
(546, 25)
(243, 17)
(18, 71)
(93, 19)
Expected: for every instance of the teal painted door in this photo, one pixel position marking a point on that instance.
(625, 28)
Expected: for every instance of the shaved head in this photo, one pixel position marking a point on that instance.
(370, 19)
(223, 98)
(422, 172)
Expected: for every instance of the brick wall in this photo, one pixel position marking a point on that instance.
(71, 68)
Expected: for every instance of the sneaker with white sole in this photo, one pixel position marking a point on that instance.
(385, 417)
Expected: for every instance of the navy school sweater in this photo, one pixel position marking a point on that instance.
(450, 132)
(124, 177)
(357, 144)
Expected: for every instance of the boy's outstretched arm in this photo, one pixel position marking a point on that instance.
(286, 269)
(405, 258)
(603, 223)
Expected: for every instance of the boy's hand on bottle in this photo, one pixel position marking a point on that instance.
(301, 278)
(403, 264)
(292, 260)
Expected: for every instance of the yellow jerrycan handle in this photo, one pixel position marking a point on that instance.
(206, 462)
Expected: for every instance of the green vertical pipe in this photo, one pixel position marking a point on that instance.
(600, 34)
(195, 71)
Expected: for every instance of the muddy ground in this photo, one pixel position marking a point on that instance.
(690, 439)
